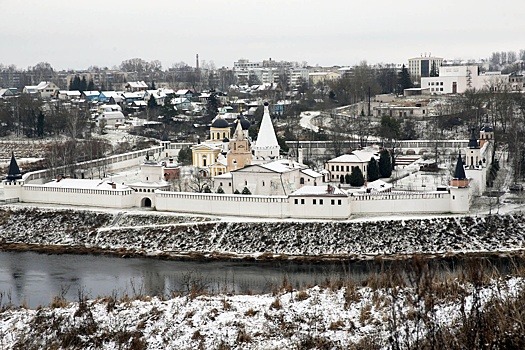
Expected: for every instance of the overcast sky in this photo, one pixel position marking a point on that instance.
(78, 34)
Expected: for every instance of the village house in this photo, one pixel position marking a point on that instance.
(44, 90)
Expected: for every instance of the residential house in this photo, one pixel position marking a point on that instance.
(5, 94)
(181, 104)
(185, 93)
(44, 90)
(90, 96)
(134, 86)
(66, 95)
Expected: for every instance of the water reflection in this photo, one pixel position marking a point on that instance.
(34, 279)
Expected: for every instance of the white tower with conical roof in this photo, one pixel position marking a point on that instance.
(266, 147)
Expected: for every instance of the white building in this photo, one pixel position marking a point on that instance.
(343, 165)
(457, 79)
(420, 67)
(44, 90)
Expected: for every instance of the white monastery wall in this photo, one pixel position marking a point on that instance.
(401, 203)
(80, 197)
(222, 204)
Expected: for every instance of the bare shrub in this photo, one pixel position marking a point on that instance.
(250, 312)
(276, 304)
(302, 295)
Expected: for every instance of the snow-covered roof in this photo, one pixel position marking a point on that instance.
(224, 176)
(139, 95)
(110, 94)
(156, 184)
(278, 167)
(319, 191)
(311, 173)
(70, 93)
(354, 157)
(113, 115)
(85, 184)
(183, 92)
(137, 85)
(266, 138)
(91, 93)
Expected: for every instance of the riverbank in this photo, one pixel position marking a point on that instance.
(171, 236)
(383, 313)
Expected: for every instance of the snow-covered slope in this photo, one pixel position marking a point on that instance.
(178, 235)
(318, 318)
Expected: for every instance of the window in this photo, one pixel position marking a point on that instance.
(314, 202)
(337, 168)
(296, 201)
(332, 202)
(229, 184)
(320, 202)
(332, 168)
(338, 202)
(220, 184)
(302, 201)
(347, 168)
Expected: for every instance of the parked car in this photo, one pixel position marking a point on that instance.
(516, 187)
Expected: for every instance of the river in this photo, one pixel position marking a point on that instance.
(33, 279)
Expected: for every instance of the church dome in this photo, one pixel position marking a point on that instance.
(245, 124)
(220, 123)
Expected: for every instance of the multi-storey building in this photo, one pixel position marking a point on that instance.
(420, 67)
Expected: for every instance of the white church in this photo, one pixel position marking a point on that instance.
(274, 187)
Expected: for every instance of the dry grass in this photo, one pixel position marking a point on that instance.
(276, 304)
(243, 336)
(336, 325)
(301, 295)
(250, 312)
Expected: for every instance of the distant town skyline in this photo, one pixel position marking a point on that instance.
(104, 33)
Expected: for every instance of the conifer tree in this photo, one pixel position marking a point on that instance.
(385, 163)
(91, 86)
(373, 170)
(246, 191)
(356, 177)
(83, 84)
(404, 81)
(74, 84)
(152, 103)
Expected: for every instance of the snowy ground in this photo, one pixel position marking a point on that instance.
(327, 318)
(153, 233)
(306, 120)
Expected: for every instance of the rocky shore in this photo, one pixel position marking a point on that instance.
(192, 237)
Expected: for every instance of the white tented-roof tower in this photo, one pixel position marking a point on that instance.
(266, 146)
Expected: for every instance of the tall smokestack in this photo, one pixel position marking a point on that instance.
(197, 61)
